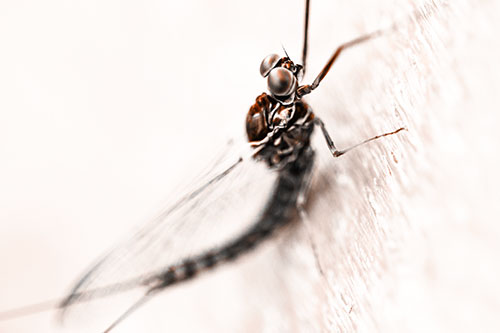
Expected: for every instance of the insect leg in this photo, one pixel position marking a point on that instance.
(308, 88)
(131, 309)
(335, 152)
(306, 29)
(301, 201)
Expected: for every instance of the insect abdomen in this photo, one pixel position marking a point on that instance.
(279, 212)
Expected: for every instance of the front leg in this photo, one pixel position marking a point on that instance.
(337, 153)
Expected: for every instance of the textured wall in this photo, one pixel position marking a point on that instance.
(105, 105)
(408, 228)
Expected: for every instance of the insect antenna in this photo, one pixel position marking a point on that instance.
(284, 50)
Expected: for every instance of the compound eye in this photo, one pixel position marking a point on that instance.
(268, 64)
(281, 82)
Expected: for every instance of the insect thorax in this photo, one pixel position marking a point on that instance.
(289, 128)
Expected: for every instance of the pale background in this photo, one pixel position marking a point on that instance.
(105, 105)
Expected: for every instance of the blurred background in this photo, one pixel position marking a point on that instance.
(106, 106)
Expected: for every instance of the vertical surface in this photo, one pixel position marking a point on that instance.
(407, 228)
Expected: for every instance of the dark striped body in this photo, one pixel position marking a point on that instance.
(292, 181)
(293, 178)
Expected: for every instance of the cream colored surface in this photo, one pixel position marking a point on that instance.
(106, 105)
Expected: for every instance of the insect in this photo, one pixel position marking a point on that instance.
(279, 126)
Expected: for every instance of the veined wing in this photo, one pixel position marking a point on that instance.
(227, 201)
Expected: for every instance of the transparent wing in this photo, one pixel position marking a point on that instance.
(224, 203)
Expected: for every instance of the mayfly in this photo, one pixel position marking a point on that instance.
(279, 126)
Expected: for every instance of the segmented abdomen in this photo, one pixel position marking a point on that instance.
(279, 211)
